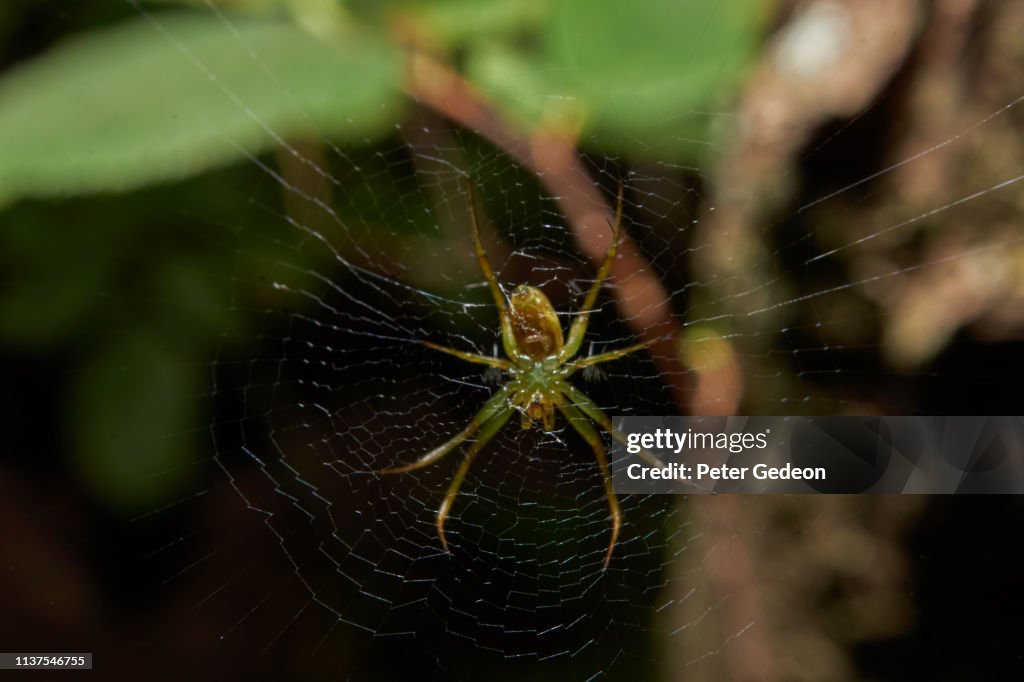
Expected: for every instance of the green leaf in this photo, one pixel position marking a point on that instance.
(446, 24)
(640, 63)
(162, 99)
(641, 76)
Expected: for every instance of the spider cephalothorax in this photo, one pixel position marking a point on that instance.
(538, 363)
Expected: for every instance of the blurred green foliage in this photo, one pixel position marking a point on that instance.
(639, 77)
(134, 414)
(176, 90)
(139, 103)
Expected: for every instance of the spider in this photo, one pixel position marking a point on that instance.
(538, 365)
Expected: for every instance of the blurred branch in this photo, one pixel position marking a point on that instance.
(829, 61)
(730, 570)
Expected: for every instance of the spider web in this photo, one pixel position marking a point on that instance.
(369, 252)
(340, 389)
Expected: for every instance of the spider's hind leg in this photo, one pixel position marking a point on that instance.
(508, 338)
(579, 325)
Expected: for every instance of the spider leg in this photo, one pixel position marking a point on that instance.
(579, 422)
(589, 407)
(493, 407)
(470, 357)
(487, 432)
(579, 325)
(507, 337)
(580, 401)
(584, 404)
(605, 357)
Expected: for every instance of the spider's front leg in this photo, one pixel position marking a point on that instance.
(580, 400)
(487, 421)
(579, 422)
(492, 408)
(487, 432)
(584, 404)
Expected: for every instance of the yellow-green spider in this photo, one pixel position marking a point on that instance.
(538, 365)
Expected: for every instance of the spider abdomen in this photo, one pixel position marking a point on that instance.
(534, 323)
